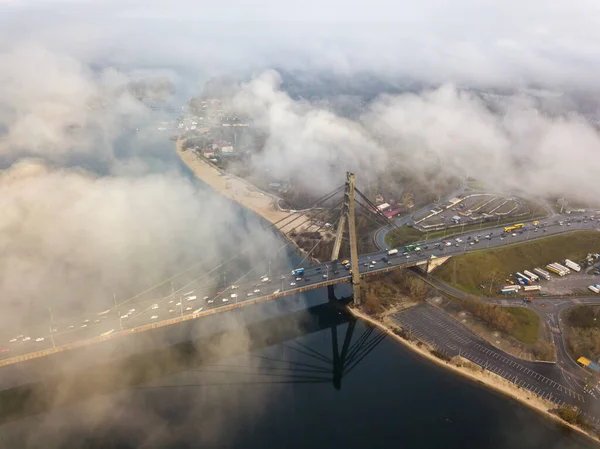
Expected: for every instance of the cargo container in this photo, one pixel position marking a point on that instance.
(562, 267)
(524, 278)
(542, 273)
(530, 275)
(391, 252)
(594, 289)
(509, 291)
(530, 288)
(557, 270)
(572, 265)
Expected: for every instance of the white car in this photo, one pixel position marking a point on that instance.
(26, 339)
(249, 294)
(514, 234)
(205, 298)
(225, 299)
(39, 339)
(125, 316)
(171, 310)
(188, 308)
(448, 243)
(131, 310)
(190, 298)
(70, 327)
(178, 304)
(373, 262)
(83, 326)
(153, 317)
(210, 301)
(298, 279)
(96, 321)
(171, 302)
(265, 279)
(154, 306)
(292, 283)
(234, 295)
(234, 287)
(257, 290)
(12, 340)
(85, 321)
(324, 276)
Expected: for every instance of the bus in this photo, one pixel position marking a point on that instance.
(409, 248)
(513, 227)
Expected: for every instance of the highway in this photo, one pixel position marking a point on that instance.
(201, 299)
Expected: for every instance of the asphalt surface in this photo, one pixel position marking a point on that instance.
(128, 316)
(549, 381)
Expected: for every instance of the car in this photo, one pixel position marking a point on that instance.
(131, 310)
(501, 238)
(282, 277)
(39, 339)
(365, 264)
(324, 276)
(171, 301)
(249, 294)
(153, 317)
(318, 269)
(457, 245)
(469, 238)
(234, 287)
(12, 340)
(257, 290)
(307, 279)
(85, 321)
(188, 308)
(336, 272)
(373, 262)
(225, 299)
(70, 327)
(171, 310)
(426, 247)
(190, 298)
(210, 301)
(83, 326)
(178, 304)
(472, 242)
(205, 298)
(448, 243)
(408, 256)
(292, 283)
(298, 278)
(265, 279)
(514, 234)
(234, 295)
(155, 306)
(4, 350)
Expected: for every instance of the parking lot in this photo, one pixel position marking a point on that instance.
(435, 328)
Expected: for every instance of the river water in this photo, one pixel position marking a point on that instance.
(283, 380)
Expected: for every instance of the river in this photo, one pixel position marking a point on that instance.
(276, 383)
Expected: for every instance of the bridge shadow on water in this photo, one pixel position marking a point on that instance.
(140, 370)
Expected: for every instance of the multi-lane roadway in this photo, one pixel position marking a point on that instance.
(201, 298)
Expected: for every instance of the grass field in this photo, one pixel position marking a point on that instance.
(468, 271)
(402, 236)
(528, 324)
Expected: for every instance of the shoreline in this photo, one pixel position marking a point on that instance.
(245, 194)
(484, 377)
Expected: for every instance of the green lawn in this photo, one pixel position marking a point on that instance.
(469, 271)
(528, 323)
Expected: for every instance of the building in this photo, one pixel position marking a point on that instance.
(208, 152)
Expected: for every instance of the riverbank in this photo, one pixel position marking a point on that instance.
(471, 371)
(244, 194)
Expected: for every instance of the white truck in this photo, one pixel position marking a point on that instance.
(542, 273)
(557, 269)
(532, 276)
(572, 265)
(594, 289)
(530, 288)
(392, 252)
(562, 267)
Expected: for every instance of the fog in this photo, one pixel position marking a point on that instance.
(95, 202)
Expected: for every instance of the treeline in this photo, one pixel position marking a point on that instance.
(491, 314)
(583, 334)
(380, 292)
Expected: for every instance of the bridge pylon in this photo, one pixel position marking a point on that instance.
(348, 216)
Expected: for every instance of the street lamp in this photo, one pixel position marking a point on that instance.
(118, 312)
(51, 327)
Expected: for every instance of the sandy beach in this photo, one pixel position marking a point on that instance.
(241, 191)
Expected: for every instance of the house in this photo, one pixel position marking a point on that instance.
(208, 152)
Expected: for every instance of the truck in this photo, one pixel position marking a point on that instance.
(392, 252)
(588, 364)
(562, 267)
(594, 289)
(572, 265)
(542, 273)
(524, 278)
(297, 271)
(557, 269)
(510, 289)
(531, 288)
(530, 275)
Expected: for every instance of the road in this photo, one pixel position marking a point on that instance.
(200, 298)
(546, 380)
